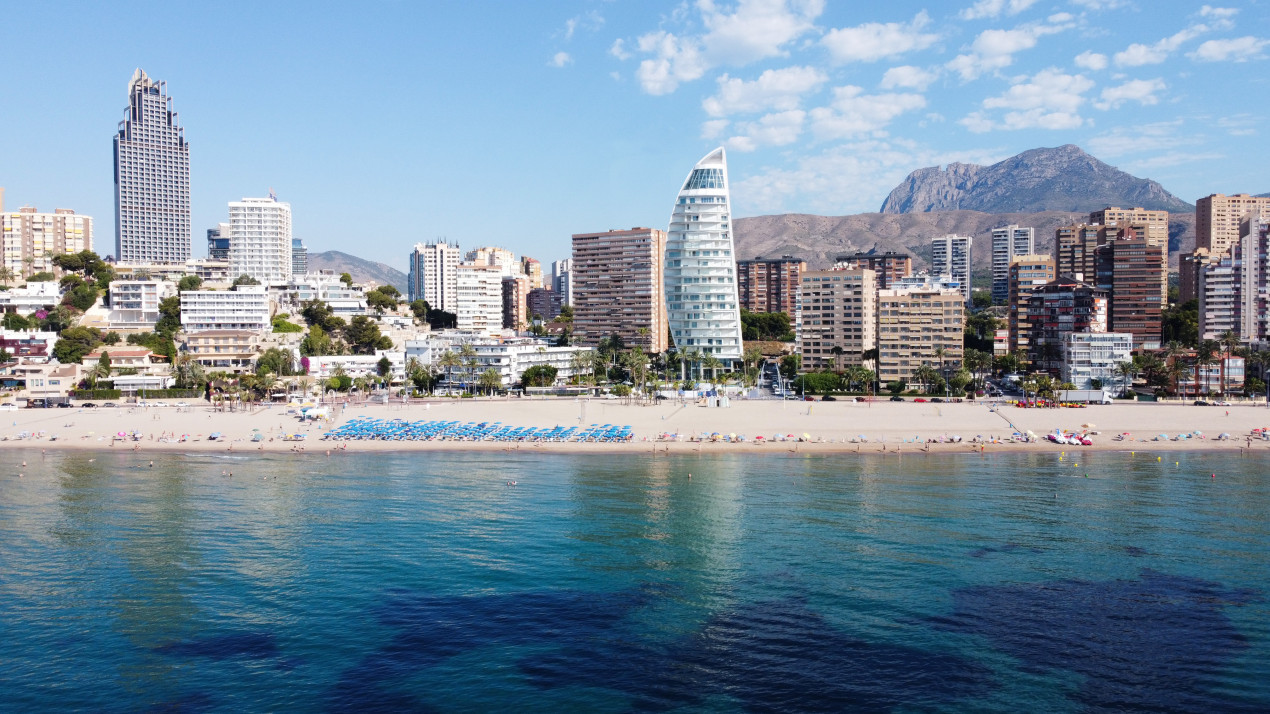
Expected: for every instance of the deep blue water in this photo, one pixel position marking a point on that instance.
(763, 583)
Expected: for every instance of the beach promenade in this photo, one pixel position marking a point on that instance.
(841, 426)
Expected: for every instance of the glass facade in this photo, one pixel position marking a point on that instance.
(700, 265)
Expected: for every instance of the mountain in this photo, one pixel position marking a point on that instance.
(818, 239)
(363, 271)
(1059, 179)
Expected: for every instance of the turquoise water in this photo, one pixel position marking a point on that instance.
(426, 582)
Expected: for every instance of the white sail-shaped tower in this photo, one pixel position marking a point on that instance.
(700, 274)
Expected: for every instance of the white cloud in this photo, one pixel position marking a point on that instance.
(1154, 138)
(1137, 54)
(854, 113)
(619, 51)
(1239, 124)
(1218, 13)
(995, 49)
(560, 59)
(847, 178)
(1100, 4)
(1142, 91)
(994, 8)
(908, 76)
(777, 129)
(591, 21)
(1239, 49)
(1050, 99)
(751, 31)
(779, 89)
(1091, 60)
(714, 128)
(873, 41)
(1174, 158)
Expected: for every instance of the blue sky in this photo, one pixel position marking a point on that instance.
(518, 124)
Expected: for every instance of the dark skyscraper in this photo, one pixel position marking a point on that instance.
(152, 178)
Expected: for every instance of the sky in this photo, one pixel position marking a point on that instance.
(517, 124)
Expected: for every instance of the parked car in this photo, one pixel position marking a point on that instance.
(182, 405)
(936, 400)
(88, 405)
(8, 407)
(861, 399)
(1222, 403)
(919, 400)
(809, 399)
(828, 398)
(38, 403)
(897, 398)
(1201, 403)
(63, 405)
(110, 405)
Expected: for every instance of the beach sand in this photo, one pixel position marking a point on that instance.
(825, 426)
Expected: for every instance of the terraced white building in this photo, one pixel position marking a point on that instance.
(700, 266)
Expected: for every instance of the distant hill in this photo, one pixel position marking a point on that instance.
(818, 239)
(363, 271)
(1058, 179)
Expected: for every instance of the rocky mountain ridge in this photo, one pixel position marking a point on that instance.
(1063, 178)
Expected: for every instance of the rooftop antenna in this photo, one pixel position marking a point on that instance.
(272, 196)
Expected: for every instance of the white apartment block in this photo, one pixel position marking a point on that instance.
(1007, 243)
(355, 366)
(134, 304)
(30, 239)
(260, 240)
(1094, 355)
(562, 280)
(951, 255)
(479, 297)
(244, 308)
(345, 301)
(433, 274)
(31, 297)
(509, 357)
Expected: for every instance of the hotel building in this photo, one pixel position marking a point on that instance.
(951, 255)
(1027, 272)
(152, 178)
(260, 240)
(703, 309)
(433, 276)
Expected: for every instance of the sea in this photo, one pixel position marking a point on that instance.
(512, 581)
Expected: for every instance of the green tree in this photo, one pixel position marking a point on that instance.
(346, 279)
(384, 366)
(14, 321)
(169, 317)
(380, 301)
(790, 365)
(316, 343)
(245, 279)
(1180, 323)
(541, 375)
(277, 361)
(75, 342)
(958, 382)
(566, 314)
(895, 387)
(364, 338)
(281, 325)
(448, 361)
(420, 309)
(189, 282)
(112, 338)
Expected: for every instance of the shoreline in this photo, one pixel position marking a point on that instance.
(815, 427)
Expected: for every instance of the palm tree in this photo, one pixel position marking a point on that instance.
(448, 361)
(490, 380)
(1175, 371)
(837, 357)
(713, 364)
(7, 275)
(752, 356)
(468, 353)
(926, 376)
(580, 365)
(1126, 370)
(1205, 356)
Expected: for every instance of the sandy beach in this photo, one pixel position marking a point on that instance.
(842, 426)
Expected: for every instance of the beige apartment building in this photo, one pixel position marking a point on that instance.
(29, 239)
(1076, 250)
(1027, 272)
(1218, 217)
(232, 351)
(1153, 225)
(619, 289)
(838, 311)
(913, 323)
(515, 307)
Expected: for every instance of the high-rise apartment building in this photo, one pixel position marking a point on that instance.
(1064, 306)
(618, 288)
(951, 255)
(504, 259)
(260, 240)
(152, 178)
(1218, 218)
(1130, 267)
(701, 293)
(1234, 290)
(299, 257)
(29, 239)
(1190, 266)
(889, 267)
(433, 276)
(1027, 272)
(532, 269)
(543, 302)
(562, 280)
(1151, 225)
(515, 302)
(918, 326)
(769, 285)
(839, 317)
(1076, 250)
(1008, 242)
(218, 242)
(478, 293)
